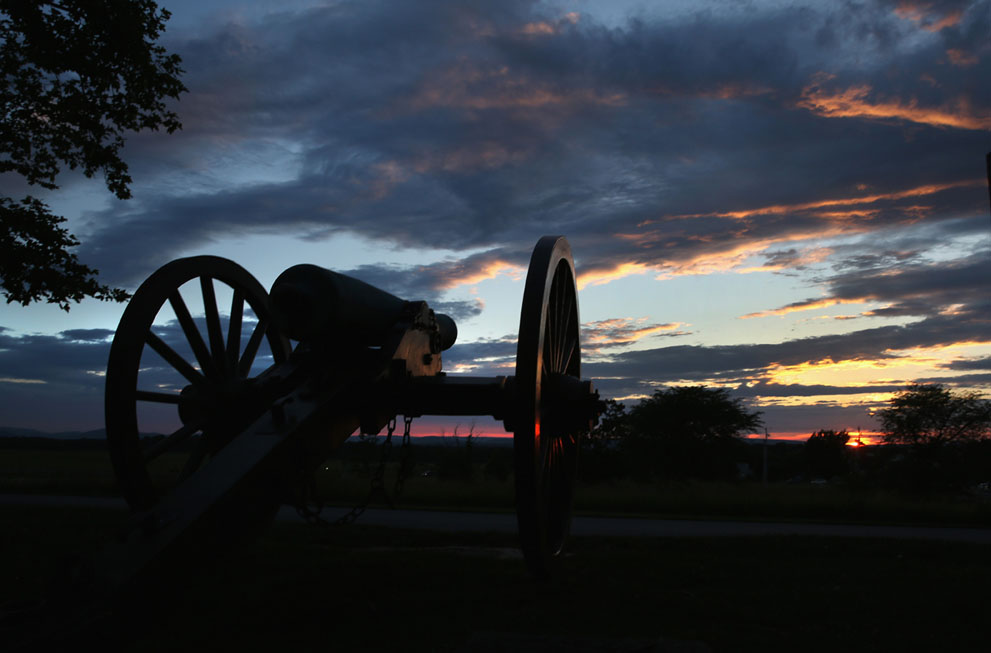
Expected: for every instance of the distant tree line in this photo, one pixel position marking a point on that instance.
(934, 439)
(677, 433)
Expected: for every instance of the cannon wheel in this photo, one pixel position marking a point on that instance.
(218, 367)
(546, 454)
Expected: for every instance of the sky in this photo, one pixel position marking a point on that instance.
(785, 199)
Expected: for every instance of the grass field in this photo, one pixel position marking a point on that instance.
(360, 588)
(90, 473)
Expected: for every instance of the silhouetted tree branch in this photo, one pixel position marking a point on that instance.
(78, 75)
(688, 431)
(693, 412)
(825, 453)
(926, 416)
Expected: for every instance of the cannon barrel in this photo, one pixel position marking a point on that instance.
(312, 302)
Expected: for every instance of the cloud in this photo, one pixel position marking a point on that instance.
(459, 310)
(931, 16)
(971, 364)
(808, 305)
(954, 287)
(961, 58)
(856, 102)
(485, 357)
(786, 140)
(920, 289)
(622, 331)
(464, 128)
(698, 362)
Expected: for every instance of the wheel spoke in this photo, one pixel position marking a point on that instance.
(567, 340)
(251, 349)
(566, 362)
(157, 397)
(192, 334)
(556, 300)
(553, 305)
(554, 324)
(546, 454)
(549, 466)
(169, 441)
(234, 331)
(556, 337)
(174, 359)
(565, 307)
(214, 333)
(550, 349)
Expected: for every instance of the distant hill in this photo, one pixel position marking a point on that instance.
(14, 432)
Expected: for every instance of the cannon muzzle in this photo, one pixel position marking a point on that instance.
(311, 302)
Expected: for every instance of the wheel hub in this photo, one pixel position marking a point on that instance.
(569, 404)
(216, 407)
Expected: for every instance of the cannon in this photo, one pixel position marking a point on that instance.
(345, 356)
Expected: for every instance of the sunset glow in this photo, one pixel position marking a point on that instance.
(489, 270)
(786, 201)
(856, 102)
(599, 277)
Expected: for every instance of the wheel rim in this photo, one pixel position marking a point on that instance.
(213, 371)
(545, 447)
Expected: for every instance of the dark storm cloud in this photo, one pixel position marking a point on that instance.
(87, 335)
(482, 352)
(662, 142)
(971, 364)
(66, 358)
(441, 124)
(765, 389)
(937, 286)
(52, 382)
(958, 286)
(413, 281)
(964, 380)
(459, 310)
(668, 364)
(57, 381)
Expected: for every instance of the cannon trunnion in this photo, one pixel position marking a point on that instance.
(250, 432)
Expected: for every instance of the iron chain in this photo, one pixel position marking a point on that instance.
(405, 462)
(312, 515)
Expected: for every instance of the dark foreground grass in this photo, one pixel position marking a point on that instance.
(89, 473)
(370, 589)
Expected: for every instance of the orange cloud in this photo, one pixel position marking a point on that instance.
(773, 209)
(489, 270)
(469, 87)
(388, 175)
(919, 12)
(842, 221)
(724, 260)
(620, 331)
(603, 275)
(899, 365)
(547, 28)
(734, 91)
(961, 58)
(541, 28)
(854, 102)
(803, 306)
